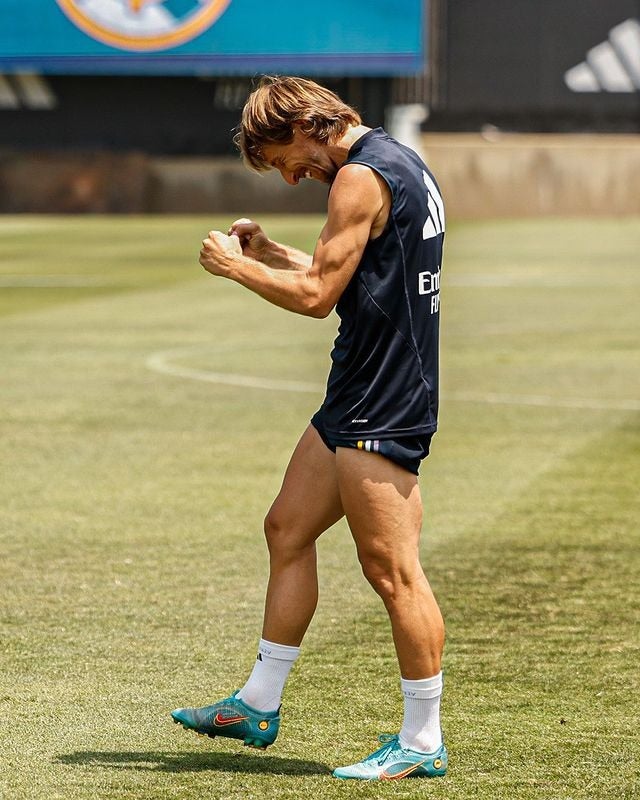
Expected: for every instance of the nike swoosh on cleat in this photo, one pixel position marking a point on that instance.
(385, 776)
(219, 721)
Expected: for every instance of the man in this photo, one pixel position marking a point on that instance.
(377, 261)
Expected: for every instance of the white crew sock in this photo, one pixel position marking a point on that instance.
(263, 690)
(421, 724)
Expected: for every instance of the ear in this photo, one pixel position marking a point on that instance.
(298, 133)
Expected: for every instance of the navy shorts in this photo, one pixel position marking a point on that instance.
(406, 451)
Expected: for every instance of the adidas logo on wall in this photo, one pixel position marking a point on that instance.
(26, 90)
(613, 65)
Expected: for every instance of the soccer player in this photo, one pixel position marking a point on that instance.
(377, 261)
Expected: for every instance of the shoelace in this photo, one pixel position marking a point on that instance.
(389, 742)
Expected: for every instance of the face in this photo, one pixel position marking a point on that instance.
(302, 158)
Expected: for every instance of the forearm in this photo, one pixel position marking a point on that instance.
(283, 257)
(290, 287)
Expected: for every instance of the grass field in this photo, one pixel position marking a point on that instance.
(136, 473)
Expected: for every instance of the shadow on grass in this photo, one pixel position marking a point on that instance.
(192, 762)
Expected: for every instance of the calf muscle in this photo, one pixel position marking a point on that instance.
(384, 510)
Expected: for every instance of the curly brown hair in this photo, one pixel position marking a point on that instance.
(278, 104)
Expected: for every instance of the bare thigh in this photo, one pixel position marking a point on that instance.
(384, 510)
(309, 501)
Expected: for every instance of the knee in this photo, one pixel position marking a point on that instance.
(379, 573)
(275, 529)
(388, 579)
(284, 540)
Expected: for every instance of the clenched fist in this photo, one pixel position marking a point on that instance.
(253, 240)
(218, 252)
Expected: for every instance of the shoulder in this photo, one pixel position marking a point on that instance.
(359, 184)
(359, 196)
(355, 174)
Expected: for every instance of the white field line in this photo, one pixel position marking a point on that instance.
(162, 362)
(527, 281)
(586, 403)
(51, 282)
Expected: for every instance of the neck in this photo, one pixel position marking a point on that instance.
(340, 150)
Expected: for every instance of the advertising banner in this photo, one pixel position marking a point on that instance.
(212, 37)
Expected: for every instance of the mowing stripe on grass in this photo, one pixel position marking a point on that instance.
(51, 282)
(586, 403)
(528, 281)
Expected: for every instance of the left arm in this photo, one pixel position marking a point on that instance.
(256, 244)
(357, 201)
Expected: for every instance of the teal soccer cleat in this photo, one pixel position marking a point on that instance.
(391, 762)
(231, 718)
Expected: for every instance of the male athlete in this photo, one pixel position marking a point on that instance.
(377, 262)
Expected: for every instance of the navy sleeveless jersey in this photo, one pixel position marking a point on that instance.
(384, 375)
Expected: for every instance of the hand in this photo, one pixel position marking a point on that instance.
(218, 252)
(253, 240)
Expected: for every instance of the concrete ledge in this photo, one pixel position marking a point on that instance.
(116, 183)
(496, 175)
(44, 183)
(520, 175)
(225, 185)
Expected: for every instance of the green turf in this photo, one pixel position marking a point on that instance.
(132, 562)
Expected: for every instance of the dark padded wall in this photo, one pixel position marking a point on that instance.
(170, 116)
(505, 60)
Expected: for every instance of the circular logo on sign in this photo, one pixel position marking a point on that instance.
(143, 24)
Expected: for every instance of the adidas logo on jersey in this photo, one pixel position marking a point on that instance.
(434, 224)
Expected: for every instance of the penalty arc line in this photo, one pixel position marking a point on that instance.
(161, 362)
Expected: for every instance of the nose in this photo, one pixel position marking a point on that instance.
(290, 177)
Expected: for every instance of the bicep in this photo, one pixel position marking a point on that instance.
(355, 202)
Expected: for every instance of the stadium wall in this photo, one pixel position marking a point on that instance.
(482, 175)
(509, 175)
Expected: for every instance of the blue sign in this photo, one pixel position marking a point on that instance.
(212, 37)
